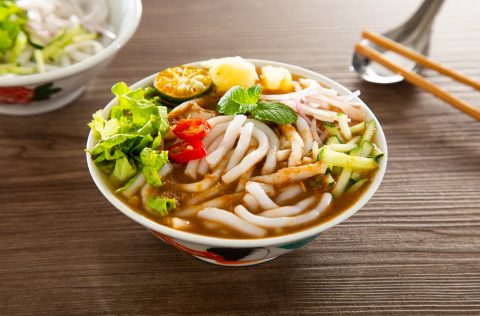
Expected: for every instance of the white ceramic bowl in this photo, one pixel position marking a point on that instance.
(124, 17)
(237, 252)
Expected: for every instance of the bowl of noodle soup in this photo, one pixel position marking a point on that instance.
(61, 47)
(256, 243)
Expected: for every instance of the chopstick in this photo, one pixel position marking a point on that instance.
(419, 58)
(415, 78)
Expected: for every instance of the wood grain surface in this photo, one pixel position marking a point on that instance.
(412, 250)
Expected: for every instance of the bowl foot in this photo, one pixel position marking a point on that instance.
(235, 264)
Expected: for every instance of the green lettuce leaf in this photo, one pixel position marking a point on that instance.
(128, 141)
(153, 161)
(161, 205)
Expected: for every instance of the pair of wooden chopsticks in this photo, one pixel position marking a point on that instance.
(415, 78)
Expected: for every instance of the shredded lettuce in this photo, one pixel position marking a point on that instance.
(161, 205)
(128, 141)
(12, 20)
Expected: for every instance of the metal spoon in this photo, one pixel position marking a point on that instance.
(414, 33)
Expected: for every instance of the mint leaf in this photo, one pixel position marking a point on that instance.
(239, 100)
(253, 94)
(247, 108)
(274, 112)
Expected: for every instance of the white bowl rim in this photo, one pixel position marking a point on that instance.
(51, 76)
(248, 243)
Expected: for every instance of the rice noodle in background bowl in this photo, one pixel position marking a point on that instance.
(65, 81)
(238, 252)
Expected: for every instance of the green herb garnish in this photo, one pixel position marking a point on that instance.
(239, 100)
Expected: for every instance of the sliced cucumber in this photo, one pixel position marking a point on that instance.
(357, 185)
(329, 180)
(333, 140)
(336, 170)
(369, 131)
(377, 153)
(355, 140)
(342, 182)
(334, 158)
(356, 176)
(55, 47)
(332, 130)
(358, 128)
(18, 47)
(342, 147)
(367, 148)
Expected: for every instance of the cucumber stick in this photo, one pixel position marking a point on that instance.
(329, 180)
(342, 147)
(332, 130)
(333, 140)
(357, 185)
(358, 128)
(342, 182)
(370, 129)
(334, 158)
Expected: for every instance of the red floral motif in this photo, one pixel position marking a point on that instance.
(202, 254)
(18, 95)
(24, 95)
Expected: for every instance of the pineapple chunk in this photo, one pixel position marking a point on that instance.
(276, 78)
(231, 71)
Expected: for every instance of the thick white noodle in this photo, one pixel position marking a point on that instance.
(231, 220)
(283, 154)
(271, 161)
(290, 210)
(231, 134)
(165, 170)
(209, 193)
(208, 181)
(144, 194)
(292, 174)
(296, 141)
(250, 160)
(135, 186)
(242, 181)
(289, 193)
(242, 145)
(287, 221)
(315, 150)
(203, 166)
(251, 202)
(260, 195)
(306, 134)
(221, 201)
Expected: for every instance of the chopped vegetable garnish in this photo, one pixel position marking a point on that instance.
(346, 161)
(185, 151)
(191, 129)
(161, 205)
(239, 100)
(128, 141)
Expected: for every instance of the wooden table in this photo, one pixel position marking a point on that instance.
(413, 249)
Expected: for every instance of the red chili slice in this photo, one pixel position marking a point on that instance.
(185, 151)
(192, 129)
